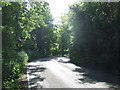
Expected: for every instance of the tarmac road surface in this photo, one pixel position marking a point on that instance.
(57, 72)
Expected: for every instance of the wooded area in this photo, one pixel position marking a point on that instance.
(88, 34)
(95, 27)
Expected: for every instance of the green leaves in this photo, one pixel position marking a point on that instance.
(62, 35)
(93, 26)
(5, 4)
(38, 21)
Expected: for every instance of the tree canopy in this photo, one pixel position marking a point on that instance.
(27, 35)
(95, 28)
(88, 34)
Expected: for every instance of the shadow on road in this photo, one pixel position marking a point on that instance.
(33, 69)
(60, 59)
(92, 77)
(34, 76)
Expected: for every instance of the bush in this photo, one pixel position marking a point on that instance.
(33, 55)
(13, 66)
(23, 59)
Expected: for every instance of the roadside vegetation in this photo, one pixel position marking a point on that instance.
(88, 34)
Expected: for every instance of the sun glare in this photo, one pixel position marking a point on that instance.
(59, 7)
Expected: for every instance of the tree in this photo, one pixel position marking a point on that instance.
(95, 29)
(42, 36)
(62, 33)
(14, 59)
(24, 24)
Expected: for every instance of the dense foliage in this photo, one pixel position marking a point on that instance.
(95, 28)
(88, 33)
(41, 39)
(14, 60)
(27, 35)
(62, 33)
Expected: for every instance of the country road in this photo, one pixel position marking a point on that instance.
(59, 73)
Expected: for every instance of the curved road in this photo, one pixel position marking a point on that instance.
(59, 73)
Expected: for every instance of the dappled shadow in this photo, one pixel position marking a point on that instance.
(63, 59)
(93, 77)
(60, 59)
(43, 60)
(47, 59)
(34, 76)
(38, 69)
